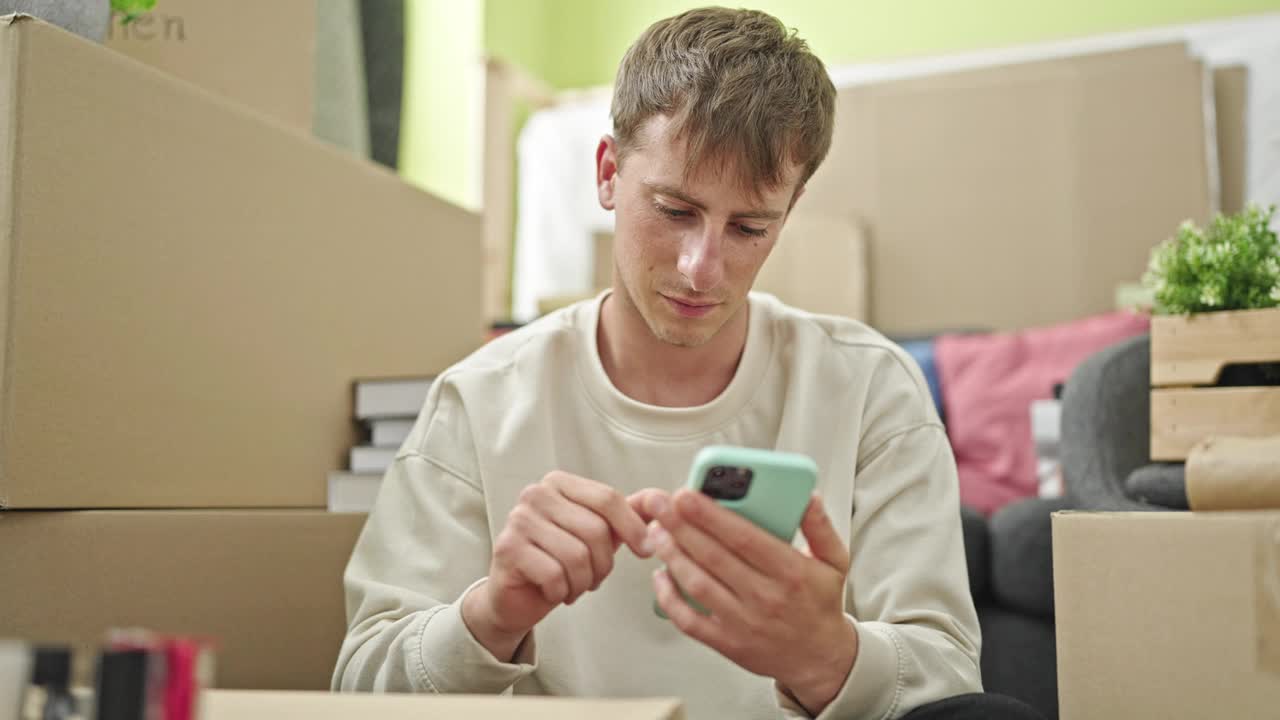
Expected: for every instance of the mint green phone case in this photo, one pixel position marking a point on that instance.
(776, 499)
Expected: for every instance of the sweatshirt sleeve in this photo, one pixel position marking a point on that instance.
(918, 635)
(425, 545)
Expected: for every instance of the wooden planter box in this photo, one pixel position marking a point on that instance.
(1189, 353)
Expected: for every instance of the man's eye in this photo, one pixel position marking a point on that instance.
(753, 232)
(673, 212)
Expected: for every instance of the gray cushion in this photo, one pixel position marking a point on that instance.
(1019, 658)
(976, 550)
(1106, 426)
(1163, 484)
(1022, 555)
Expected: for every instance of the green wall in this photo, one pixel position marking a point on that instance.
(441, 117)
(522, 31)
(578, 43)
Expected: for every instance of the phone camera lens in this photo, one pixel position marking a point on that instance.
(727, 482)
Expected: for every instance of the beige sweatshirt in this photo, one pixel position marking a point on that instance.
(538, 399)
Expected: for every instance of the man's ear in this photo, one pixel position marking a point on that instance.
(606, 171)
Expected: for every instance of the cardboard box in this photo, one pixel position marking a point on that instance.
(190, 289)
(1231, 108)
(1017, 195)
(250, 705)
(255, 53)
(819, 264)
(1167, 615)
(266, 584)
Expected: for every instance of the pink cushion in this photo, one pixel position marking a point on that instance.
(988, 382)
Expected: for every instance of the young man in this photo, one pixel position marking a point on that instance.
(492, 561)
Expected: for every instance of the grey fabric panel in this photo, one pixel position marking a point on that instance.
(1019, 658)
(382, 28)
(976, 551)
(1022, 555)
(341, 111)
(86, 18)
(1106, 426)
(1163, 484)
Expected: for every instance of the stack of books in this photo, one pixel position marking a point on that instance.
(386, 409)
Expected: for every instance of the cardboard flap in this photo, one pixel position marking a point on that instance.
(247, 705)
(1231, 108)
(9, 64)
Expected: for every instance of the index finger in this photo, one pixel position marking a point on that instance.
(754, 545)
(641, 500)
(606, 502)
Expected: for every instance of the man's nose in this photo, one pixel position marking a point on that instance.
(702, 259)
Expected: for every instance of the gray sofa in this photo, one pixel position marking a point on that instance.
(1106, 466)
(1011, 576)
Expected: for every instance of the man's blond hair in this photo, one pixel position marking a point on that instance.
(741, 90)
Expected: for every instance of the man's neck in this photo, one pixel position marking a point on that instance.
(651, 371)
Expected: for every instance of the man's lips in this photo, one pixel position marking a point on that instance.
(690, 308)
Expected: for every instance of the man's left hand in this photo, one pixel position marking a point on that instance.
(775, 610)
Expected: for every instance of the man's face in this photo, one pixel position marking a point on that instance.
(686, 251)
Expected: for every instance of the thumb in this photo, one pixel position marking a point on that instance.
(823, 540)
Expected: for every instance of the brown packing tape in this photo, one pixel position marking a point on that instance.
(1234, 473)
(1267, 596)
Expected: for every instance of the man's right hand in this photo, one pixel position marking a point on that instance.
(558, 543)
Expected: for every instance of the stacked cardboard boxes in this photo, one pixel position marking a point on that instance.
(1018, 195)
(187, 291)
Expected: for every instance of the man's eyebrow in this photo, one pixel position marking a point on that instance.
(677, 193)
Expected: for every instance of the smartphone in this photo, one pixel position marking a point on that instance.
(767, 487)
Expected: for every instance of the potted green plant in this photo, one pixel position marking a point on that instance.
(1215, 336)
(129, 10)
(1234, 264)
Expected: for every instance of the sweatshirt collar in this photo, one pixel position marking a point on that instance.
(666, 422)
